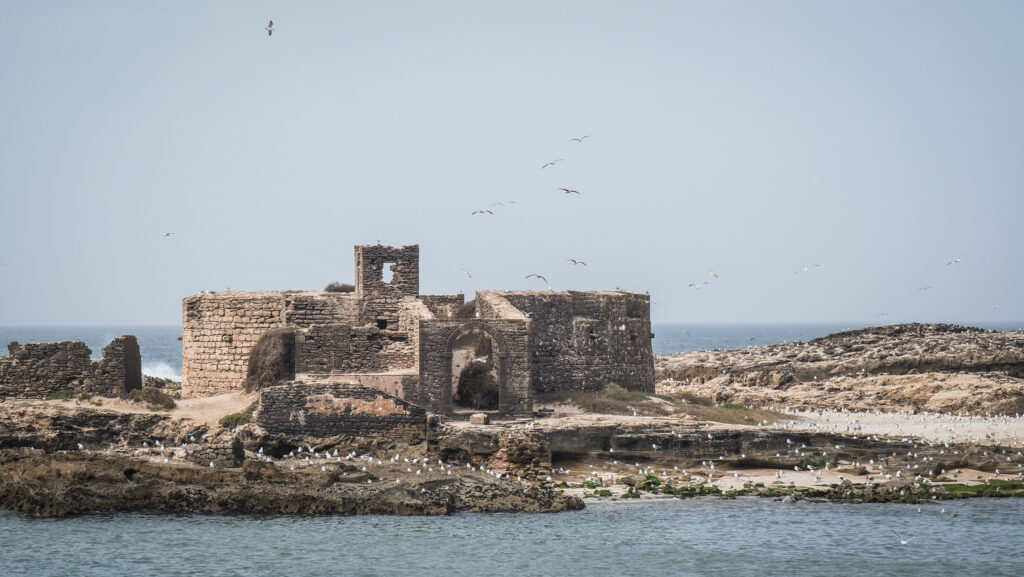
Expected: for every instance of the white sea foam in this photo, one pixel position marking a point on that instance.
(161, 370)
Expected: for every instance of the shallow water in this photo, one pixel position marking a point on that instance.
(665, 537)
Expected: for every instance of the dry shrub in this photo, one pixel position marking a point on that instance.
(272, 360)
(337, 287)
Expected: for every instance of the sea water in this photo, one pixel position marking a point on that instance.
(704, 537)
(699, 537)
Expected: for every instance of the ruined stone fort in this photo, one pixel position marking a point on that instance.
(425, 350)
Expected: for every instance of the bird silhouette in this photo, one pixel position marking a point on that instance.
(483, 211)
(569, 190)
(270, 28)
(166, 234)
(552, 163)
(575, 262)
(541, 277)
(580, 139)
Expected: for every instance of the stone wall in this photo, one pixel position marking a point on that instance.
(307, 308)
(442, 306)
(218, 332)
(35, 370)
(339, 409)
(322, 349)
(581, 341)
(512, 344)
(380, 300)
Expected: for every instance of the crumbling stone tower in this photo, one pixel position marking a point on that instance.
(385, 275)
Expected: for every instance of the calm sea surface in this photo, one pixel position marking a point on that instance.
(671, 537)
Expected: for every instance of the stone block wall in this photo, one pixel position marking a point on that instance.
(379, 300)
(345, 409)
(512, 344)
(583, 340)
(218, 332)
(322, 349)
(227, 454)
(35, 370)
(307, 308)
(442, 306)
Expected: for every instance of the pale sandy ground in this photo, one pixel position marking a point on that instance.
(206, 410)
(936, 428)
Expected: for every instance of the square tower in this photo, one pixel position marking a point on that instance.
(384, 276)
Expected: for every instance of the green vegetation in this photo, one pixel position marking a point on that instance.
(154, 398)
(990, 489)
(736, 406)
(61, 395)
(235, 419)
(589, 484)
(599, 493)
(337, 287)
(613, 399)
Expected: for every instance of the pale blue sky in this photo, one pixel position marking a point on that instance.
(880, 140)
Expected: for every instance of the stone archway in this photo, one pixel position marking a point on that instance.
(478, 368)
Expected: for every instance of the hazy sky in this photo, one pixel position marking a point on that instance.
(879, 140)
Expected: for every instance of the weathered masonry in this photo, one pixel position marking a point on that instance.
(36, 370)
(426, 349)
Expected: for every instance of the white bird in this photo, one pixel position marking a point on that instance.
(575, 262)
(807, 268)
(482, 211)
(552, 163)
(569, 190)
(902, 540)
(713, 272)
(955, 260)
(270, 28)
(166, 234)
(467, 272)
(580, 139)
(924, 288)
(541, 277)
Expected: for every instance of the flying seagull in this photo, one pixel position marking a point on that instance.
(569, 190)
(270, 28)
(504, 202)
(697, 285)
(482, 211)
(541, 277)
(166, 234)
(552, 163)
(713, 272)
(955, 260)
(467, 272)
(807, 268)
(580, 139)
(575, 262)
(902, 540)
(924, 288)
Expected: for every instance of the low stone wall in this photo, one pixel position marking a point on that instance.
(219, 454)
(339, 409)
(35, 370)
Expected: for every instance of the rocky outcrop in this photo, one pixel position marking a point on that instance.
(913, 367)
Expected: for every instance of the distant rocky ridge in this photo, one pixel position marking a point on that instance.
(908, 367)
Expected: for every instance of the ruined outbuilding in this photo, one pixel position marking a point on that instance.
(425, 349)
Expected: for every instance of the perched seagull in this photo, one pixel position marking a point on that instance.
(536, 275)
(902, 540)
(955, 260)
(569, 190)
(575, 262)
(807, 268)
(482, 211)
(270, 28)
(552, 163)
(166, 234)
(580, 139)
(713, 272)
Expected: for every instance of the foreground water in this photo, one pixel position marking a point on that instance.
(665, 537)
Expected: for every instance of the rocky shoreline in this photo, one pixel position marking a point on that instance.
(866, 436)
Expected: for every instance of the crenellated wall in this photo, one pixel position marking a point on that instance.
(35, 370)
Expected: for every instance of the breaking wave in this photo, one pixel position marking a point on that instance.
(161, 370)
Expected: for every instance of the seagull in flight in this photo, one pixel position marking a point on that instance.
(541, 277)
(166, 234)
(569, 190)
(924, 288)
(713, 272)
(955, 260)
(482, 211)
(806, 268)
(575, 262)
(580, 139)
(270, 28)
(552, 163)
(697, 285)
(504, 202)
(467, 272)
(902, 540)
